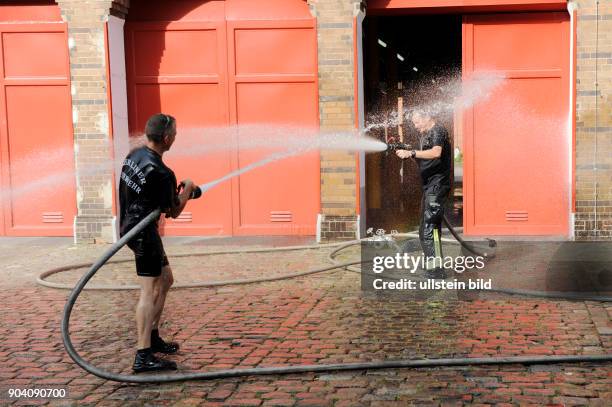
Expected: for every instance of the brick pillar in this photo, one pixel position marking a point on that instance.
(86, 21)
(120, 8)
(594, 121)
(336, 106)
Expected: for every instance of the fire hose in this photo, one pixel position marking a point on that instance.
(219, 374)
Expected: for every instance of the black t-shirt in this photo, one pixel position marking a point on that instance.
(436, 171)
(146, 184)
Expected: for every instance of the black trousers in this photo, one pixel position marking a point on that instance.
(432, 210)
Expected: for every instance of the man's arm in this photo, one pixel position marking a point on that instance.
(177, 210)
(438, 141)
(183, 197)
(431, 154)
(171, 202)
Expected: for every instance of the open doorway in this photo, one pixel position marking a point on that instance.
(408, 60)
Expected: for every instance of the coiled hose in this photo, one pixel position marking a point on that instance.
(165, 378)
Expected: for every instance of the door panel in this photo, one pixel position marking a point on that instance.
(517, 141)
(36, 136)
(180, 69)
(281, 197)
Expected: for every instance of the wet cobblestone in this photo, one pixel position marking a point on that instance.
(321, 318)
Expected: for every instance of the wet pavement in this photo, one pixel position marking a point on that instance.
(321, 318)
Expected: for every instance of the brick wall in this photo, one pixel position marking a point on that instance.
(594, 121)
(86, 21)
(336, 107)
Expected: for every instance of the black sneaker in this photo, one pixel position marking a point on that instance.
(436, 274)
(147, 362)
(161, 346)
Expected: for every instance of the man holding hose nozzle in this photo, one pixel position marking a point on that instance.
(434, 161)
(148, 184)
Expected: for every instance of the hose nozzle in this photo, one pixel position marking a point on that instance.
(398, 146)
(196, 193)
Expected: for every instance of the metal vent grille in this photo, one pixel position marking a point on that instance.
(53, 217)
(281, 216)
(517, 216)
(185, 217)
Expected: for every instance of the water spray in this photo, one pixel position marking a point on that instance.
(455, 95)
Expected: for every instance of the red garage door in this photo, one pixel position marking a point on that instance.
(36, 139)
(517, 142)
(220, 64)
(180, 68)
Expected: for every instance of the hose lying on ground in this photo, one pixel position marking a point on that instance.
(159, 378)
(41, 279)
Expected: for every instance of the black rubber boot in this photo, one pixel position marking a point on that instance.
(432, 211)
(145, 361)
(161, 346)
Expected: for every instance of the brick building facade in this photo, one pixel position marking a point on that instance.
(86, 22)
(337, 110)
(593, 120)
(336, 44)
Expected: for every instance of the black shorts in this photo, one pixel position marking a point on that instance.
(149, 253)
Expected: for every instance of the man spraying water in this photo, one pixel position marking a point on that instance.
(434, 161)
(148, 184)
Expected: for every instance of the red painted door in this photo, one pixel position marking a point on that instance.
(36, 139)
(179, 68)
(280, 90)
(216, 65)
(517, 142)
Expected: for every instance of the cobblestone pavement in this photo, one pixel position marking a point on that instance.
(322, 318)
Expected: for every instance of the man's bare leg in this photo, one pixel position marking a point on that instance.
(145, 311)
(161, 291)
(161, 288)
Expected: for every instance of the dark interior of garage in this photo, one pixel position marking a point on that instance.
(408, 61)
